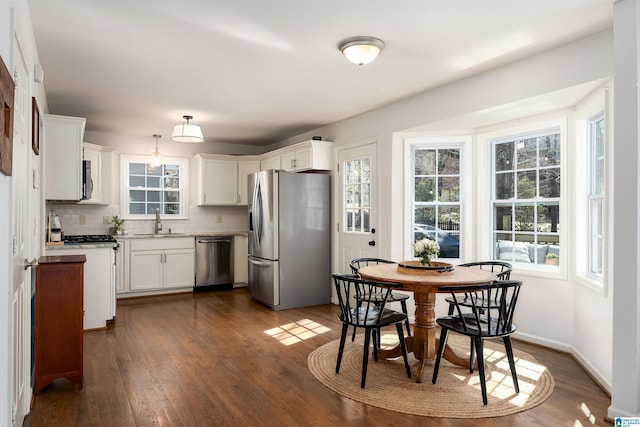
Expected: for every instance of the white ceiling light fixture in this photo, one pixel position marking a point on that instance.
(362, 49)
(186, 132)
(156, 156)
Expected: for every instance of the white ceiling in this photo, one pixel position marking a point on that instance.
(258, 71)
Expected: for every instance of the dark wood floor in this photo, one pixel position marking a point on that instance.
(205, 360)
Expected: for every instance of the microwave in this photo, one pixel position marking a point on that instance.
(87, 182)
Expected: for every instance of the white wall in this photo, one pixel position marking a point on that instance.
(625, 397)
(552, 311)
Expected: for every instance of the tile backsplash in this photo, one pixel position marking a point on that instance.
(88, 219)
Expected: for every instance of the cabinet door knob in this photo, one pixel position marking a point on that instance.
(32, 264)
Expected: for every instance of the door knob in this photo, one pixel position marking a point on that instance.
(372, 243)
(32, 264)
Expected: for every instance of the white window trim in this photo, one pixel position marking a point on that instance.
(484, 217)
(125, 159)
(462, 142)
(585, 111)
(591, 197)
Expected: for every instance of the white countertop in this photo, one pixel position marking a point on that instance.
(189, 234)
(83, 246)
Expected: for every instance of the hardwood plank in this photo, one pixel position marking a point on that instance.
(206, 359)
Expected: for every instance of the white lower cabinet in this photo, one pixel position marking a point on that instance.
(240, 261)
(122, 275)
(161, 263)
(177, 273)
(146, 270)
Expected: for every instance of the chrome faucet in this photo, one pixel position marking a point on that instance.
(158, 226)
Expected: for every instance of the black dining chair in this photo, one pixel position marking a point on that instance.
(502, 270)
(358, 309)
(482, 322)
(358, 263)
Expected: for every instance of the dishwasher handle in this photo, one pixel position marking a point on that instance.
(215, 241)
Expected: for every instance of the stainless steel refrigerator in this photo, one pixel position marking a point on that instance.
(289, 239)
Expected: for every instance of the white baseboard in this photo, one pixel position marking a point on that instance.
(594, 373)
(545, 342)
(614, 412)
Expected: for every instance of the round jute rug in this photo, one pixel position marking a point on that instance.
(455, 395)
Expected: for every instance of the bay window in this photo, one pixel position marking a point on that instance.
(526, 198)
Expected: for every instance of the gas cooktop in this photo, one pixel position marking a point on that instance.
(88, 238)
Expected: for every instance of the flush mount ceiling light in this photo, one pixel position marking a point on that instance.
(186, 132)
(156, 156)
(361, 50)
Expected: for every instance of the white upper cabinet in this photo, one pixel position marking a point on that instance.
(245, 168)
(305, 156)
(222, 180)
(218, 180)
(101, 159)
(271, 161)
(63, 157)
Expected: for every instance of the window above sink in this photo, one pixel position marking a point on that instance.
(147, 187)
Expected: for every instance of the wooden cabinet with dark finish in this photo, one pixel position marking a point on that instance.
(58, 319)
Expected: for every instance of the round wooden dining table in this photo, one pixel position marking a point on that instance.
(424, 343)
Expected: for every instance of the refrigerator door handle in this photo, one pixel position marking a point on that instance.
(258, 217)
(260, 263)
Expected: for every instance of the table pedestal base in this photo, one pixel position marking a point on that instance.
(424, 344)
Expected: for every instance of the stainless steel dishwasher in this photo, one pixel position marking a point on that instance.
(214, 262)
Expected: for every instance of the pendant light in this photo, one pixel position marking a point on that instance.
(156, 156)
(186, 132)
(361, 50)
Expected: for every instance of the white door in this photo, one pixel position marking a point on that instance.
(357, 191)
(21, 292)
